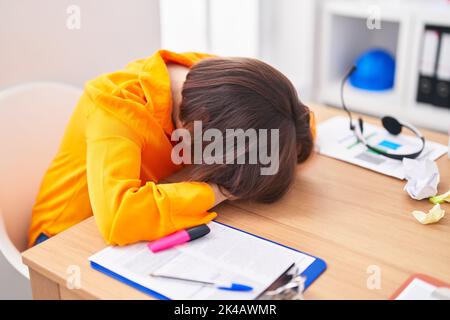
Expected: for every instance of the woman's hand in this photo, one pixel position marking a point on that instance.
(219, 196)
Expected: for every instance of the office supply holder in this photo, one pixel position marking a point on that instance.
(291, 287)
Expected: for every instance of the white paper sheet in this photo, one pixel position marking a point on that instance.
(417, 290)
(336, 140)
(224, 254)
(423, 178)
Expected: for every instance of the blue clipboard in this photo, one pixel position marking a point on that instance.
(311, 273)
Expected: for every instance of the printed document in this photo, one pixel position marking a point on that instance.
(336, 140)
(225, 254)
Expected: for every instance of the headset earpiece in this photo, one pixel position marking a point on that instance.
(391, 125)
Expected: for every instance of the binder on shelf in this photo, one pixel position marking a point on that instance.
(427, 67)
(442, 86)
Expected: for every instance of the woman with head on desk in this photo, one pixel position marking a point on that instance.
(119, 144)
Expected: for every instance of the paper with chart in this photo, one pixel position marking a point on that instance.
(225, 254)
(336, 140)
(419, 289)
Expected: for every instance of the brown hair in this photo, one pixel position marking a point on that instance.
(232, 93)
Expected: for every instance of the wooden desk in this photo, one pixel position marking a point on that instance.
(351, 217)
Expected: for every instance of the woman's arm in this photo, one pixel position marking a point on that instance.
(183, 175)
(125, 209)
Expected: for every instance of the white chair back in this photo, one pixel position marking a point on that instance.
(32, 121)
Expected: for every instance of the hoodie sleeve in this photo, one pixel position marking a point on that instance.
(312, 124)
(129, 210)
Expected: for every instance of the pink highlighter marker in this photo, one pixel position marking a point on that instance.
(178, 237)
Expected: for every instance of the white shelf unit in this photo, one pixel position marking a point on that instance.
(426, 115)
(345, 35)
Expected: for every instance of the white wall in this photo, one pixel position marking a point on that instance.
(234, 27)
(184, 25)
(280, 32)
(35, 43)
(223, 27)
(288, 40)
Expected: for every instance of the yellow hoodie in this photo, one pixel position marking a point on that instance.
(115, 149)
